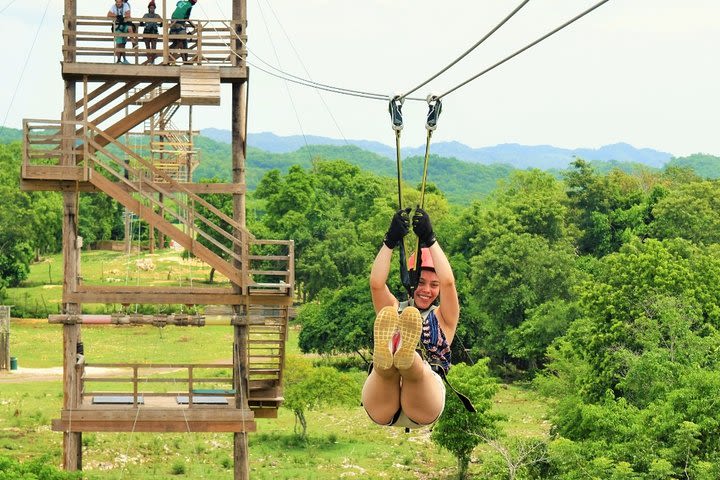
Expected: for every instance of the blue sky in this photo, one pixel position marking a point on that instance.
(645, 72)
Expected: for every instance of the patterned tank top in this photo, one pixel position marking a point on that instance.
(435, 345)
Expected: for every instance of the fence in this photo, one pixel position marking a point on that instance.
(4, 337)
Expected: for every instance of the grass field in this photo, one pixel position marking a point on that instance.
(342, 442)
(40, 294)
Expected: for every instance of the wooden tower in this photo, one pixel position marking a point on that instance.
(82, 152)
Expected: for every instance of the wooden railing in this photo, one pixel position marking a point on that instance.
(208, 42)
(45, 143)
(270, 263)
(271, 266)
(141, 384)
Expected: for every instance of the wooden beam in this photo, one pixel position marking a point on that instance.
(149, 297)
(120, 106)
(100, 72)
(36, 184)
(180, 426)
(98, 91)
(54, 172)
(140, 115)
(111, 97)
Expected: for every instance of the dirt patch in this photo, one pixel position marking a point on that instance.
(51, 373)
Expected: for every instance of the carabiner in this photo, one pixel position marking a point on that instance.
(395, 109)
(434, 109)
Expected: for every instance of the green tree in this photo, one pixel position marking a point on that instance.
(543, 325)
(607, 209)
(514, 274)
(31, 221)
(309, 388)
(100, 218)
(339, 322)
(691, 211)
(705, 166)
(458, 430)
(636, 372)
(38, 468)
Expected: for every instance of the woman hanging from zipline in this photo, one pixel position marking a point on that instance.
(405, 387)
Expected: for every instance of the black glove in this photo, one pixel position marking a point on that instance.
(399, 227)
(423, 228)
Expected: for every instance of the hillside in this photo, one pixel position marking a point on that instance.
(9, 135)
(707, 166)
(543, 157)
(461, 182)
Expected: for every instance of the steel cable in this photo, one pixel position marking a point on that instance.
(451, 64)
(527, 47)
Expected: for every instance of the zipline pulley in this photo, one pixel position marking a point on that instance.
(395, 109)
(434, 109)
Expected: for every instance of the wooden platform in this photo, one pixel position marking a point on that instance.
(158, 414)
(149, 73)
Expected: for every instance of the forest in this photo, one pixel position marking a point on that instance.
(597, 285)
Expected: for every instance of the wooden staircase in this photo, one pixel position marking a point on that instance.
(266, 288)
(139, 197)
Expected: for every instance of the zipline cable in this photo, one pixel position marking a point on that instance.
(287, 87)
(27, 59)
(477, 44)
(7, 6)
(304, 81)
(527, 47)
(307, 72)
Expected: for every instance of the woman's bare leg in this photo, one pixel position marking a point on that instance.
(422, 396)
(381, 392)
(381, 395)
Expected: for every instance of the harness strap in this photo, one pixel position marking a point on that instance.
(463, 398)
(434, 109)
(395, 109)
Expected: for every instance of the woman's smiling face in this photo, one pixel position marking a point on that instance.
(427, 290)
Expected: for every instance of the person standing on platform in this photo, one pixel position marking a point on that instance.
(120, 13)
(151, 23)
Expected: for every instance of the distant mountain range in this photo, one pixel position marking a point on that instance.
(519, 156)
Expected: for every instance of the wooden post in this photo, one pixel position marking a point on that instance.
(161, 235)
(70, 24)
(165, 30)
(241, 455)
(72, 441)
(5, 338)
(151, 235)
(190, 147)
(239, 137)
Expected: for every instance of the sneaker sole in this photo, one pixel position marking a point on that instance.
(410, 330)
(385, 325)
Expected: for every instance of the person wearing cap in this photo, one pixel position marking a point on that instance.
(151, 21)
(412, 342)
